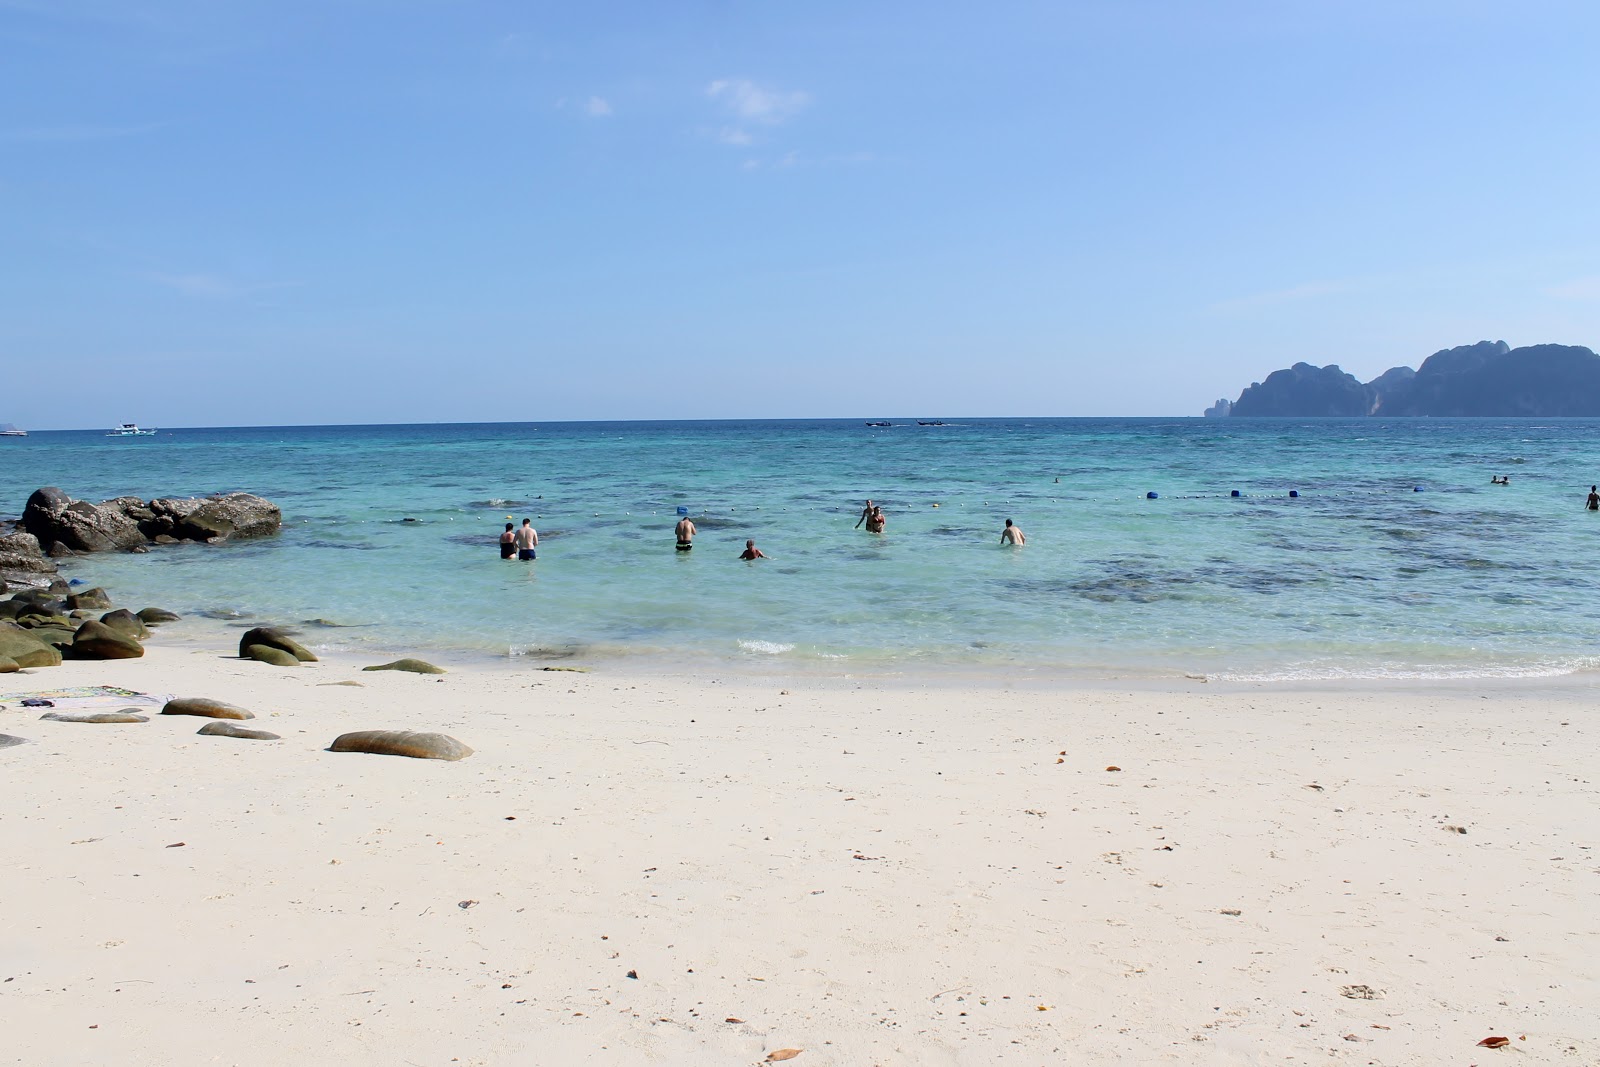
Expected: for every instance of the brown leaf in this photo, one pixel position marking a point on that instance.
(731, 1019)
(1494, 1042)
(176, 844)
(1113, 767)
(783, 1054)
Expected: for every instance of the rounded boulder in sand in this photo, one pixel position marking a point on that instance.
(123, 715)
(413, 743)
(413, 666)
(126, 623)
(228, 729)
(267, 654)
(25, 648)
(153, 616)
(272, 637)
(96, 640)
(206, 708)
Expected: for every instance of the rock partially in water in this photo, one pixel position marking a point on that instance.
(127, 623)
(154, 616)
(206, 708)
(227, 729)
(272, 637)
(90, 598)
(96, 640)
(413, 743)
(124, 715)
(415, 666)
(25, 648)
(267, 654)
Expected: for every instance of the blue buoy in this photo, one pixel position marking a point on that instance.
(1416, 488)
(77, 581)
(1234, 493)
(682, 510)
(1294, 493)
(1152, 496)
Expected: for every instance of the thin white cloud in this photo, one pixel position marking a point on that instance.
(735, 136)
(1577, 289)
(598, 107)
(1293, 294)
(749, 102)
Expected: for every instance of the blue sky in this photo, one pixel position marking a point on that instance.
(417, 210)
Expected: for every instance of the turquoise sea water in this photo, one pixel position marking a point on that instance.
(1360, 576)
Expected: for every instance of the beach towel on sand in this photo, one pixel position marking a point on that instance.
(86, 696)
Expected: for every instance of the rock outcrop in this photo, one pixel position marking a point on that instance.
(63, 526)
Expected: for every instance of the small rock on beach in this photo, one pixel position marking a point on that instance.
(124, 715)
(206, 708)
(414, 743)
(221, 728)
(415, 666)
(267, 654)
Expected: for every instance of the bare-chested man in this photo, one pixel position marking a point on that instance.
(527, 541)
(752, 552)
(1012, 535)
(866, 515)
(685, 531)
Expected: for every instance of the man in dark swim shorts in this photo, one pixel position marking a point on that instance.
(685, 532)
(508, 544)
(527, 540)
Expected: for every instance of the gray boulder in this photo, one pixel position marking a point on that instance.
(157, 616)
(65, 526)
(9, 665)
(235, 516)
(23, 564)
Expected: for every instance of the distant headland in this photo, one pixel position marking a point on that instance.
(1489, 378)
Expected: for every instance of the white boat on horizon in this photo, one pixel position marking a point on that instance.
(8, 430)
(130, 429)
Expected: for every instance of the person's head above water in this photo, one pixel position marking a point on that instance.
(508, 526)
(1008, 522)
(527, 522)
(750, 544)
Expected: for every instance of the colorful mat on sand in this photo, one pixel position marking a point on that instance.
(85, 696)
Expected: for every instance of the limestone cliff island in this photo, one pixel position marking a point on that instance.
(1487, 379)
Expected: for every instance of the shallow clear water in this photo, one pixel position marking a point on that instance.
(1359, 576)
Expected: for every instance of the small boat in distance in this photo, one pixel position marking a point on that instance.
(880, 424)
(8, 430)
(129, 429)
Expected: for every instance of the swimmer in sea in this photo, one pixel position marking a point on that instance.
(508, 544)
(875, 522)
(866, 516)
(527, 541)
(752, 552)
(685, 532)
(1012, 535)
(1593, 503)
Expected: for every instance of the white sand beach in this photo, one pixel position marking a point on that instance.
(870, 872)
